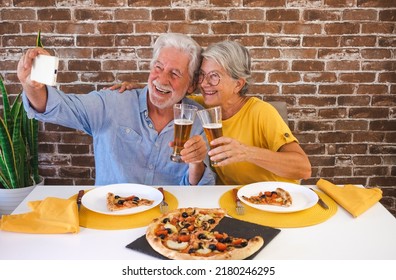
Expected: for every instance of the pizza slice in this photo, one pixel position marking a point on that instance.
(116, 202)
(187, 234)
(279, 197)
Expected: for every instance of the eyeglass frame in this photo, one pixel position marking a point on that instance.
(205, 77)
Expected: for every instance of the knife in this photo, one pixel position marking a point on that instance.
(321, 202)
(79, 196)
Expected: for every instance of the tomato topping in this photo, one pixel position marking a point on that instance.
(221, 246)
(183, 238)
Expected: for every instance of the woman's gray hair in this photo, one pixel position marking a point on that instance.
(234, 58)
(185, 44)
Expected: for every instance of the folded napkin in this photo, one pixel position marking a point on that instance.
(51, 215)
(354, 199)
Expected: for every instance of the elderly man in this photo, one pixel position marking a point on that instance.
(132, 131)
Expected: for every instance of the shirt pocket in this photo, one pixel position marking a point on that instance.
(127, 146)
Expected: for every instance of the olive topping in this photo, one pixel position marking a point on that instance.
(227, 240)
(186, 225)
(136, 198)
(116, 196)
(211, 221)
(263, 196)
(169, 230)
(244, 244)
(120, 202)
(212, 247)
(184, 214)
(192, 250)
(201, 236)
(166, 220)
(162, 236)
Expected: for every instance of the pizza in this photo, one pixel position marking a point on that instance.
(116, 202)
(188, 234)
(279, 197)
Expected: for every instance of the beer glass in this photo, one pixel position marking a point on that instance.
(212, 125)
(184, 115)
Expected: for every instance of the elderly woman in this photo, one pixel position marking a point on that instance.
(257, 144)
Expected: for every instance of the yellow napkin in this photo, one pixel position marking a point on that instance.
(51, 215)
(352, 198)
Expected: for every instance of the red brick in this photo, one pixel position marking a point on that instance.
(351, 125)
(387, 15)
(270, 65)
(54, 14)
(281, 41)
(168, 14)
(293, 28)
(265, 27)
(151, 27)
(307, 65)
(337, 89)
(313, 101)
(284, 77)
(359, 41)
(368, 113)
(354, 100)
(148, 3)
(115, 28)
(261, 3)
(339, 3)
(321, 15)
(298, 89)
(34, 3)
(17, 15)
(343, 65)
(229, 28)
(357, 77)
(226, 3)
(246, 14)
(111, 3)
(341, 28)
(376, 3)
(283, 15)
(376, 28)
(316, 77)
(92, 14)
(248, 41)
(132, 14)
(209, 15)
(321, 41)
(188, 28)
(359, 15)
(373, 89)
(75, 28)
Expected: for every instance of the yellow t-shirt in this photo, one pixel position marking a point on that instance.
(258, 124)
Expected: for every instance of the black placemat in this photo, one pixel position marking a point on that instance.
(231, 226)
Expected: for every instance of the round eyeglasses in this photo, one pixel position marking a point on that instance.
(212, 78)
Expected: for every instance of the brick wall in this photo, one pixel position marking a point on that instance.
(333, 61)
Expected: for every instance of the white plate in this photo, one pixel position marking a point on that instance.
(96, 199)
(302, 197)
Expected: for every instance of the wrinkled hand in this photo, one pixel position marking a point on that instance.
(228, 150)
(195, 150)
(124, 86)
(25, 67)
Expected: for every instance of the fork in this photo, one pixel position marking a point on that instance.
(239, 208)
(163, 205)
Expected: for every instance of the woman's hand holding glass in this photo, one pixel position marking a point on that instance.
(227, 150)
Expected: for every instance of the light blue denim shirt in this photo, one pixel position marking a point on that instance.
(127, 147)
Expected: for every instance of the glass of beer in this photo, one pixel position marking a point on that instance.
(184, 115)
(212, 125)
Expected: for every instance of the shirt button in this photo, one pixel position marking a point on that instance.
(150, 125)
(151, 166)
(128, 130)
(287, 135)
(156, 144)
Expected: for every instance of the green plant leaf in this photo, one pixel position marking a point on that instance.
(38, 40)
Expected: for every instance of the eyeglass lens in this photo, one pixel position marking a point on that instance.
(212, 78)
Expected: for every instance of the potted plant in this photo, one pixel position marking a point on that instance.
(18, 152)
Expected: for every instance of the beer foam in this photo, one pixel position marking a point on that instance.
(183, 122)
(212, 125)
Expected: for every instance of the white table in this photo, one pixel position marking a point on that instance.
(371, 236)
